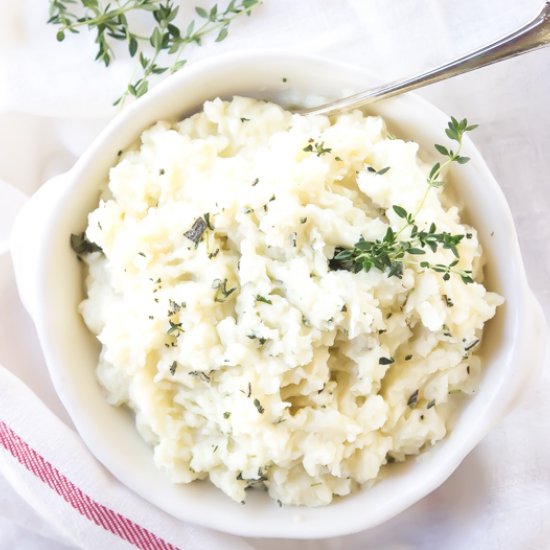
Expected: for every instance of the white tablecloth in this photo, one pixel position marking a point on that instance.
(53, 100)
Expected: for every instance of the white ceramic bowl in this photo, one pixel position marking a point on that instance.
(50, 283)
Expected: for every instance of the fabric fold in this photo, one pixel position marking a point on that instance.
(50, 468)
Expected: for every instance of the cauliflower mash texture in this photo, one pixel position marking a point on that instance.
(246, 358)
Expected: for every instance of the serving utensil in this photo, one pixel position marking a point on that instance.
(533, 35)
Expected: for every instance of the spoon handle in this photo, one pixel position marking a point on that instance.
(531, 36)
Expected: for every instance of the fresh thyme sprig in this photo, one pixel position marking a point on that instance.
(392, 253)
(109, 21)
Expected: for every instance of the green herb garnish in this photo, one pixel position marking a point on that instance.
(222, 292)
(175, 329)
(472, 345)
(380, 172)
(316, 147)
(119, 20)
(258, 405)
(448, 301)
(81, 245)
(197, 229)
(413, 398)
(173, 368)
(200, 374)
(206, 218)
(263, 299)
(261, 340)
(174, 307)
(251, 482)
(398, 248)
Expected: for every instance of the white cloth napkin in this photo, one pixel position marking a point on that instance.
(54, 99)
(49, 466)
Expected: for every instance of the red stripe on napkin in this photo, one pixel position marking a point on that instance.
(101, 515)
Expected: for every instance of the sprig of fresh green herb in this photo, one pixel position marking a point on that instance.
(455, 130)
(110, 21)
(222, 292)
(392, 252)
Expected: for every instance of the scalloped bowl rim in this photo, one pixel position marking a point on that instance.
(45, 278)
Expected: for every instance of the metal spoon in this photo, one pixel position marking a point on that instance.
(531, 36)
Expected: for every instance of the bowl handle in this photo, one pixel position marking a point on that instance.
(11, 202)
(534, 353)
(26, 235)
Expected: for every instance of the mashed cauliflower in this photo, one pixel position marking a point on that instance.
(246, 357)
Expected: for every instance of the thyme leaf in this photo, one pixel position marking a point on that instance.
(157, 51)
(397, 249)
(316, 147)
(380, 172)
(472, 345)
(258, 405)
(81, 245)
(222, 292)
(175, 329)
(197, 229)
(173, 368)
(413, 398)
